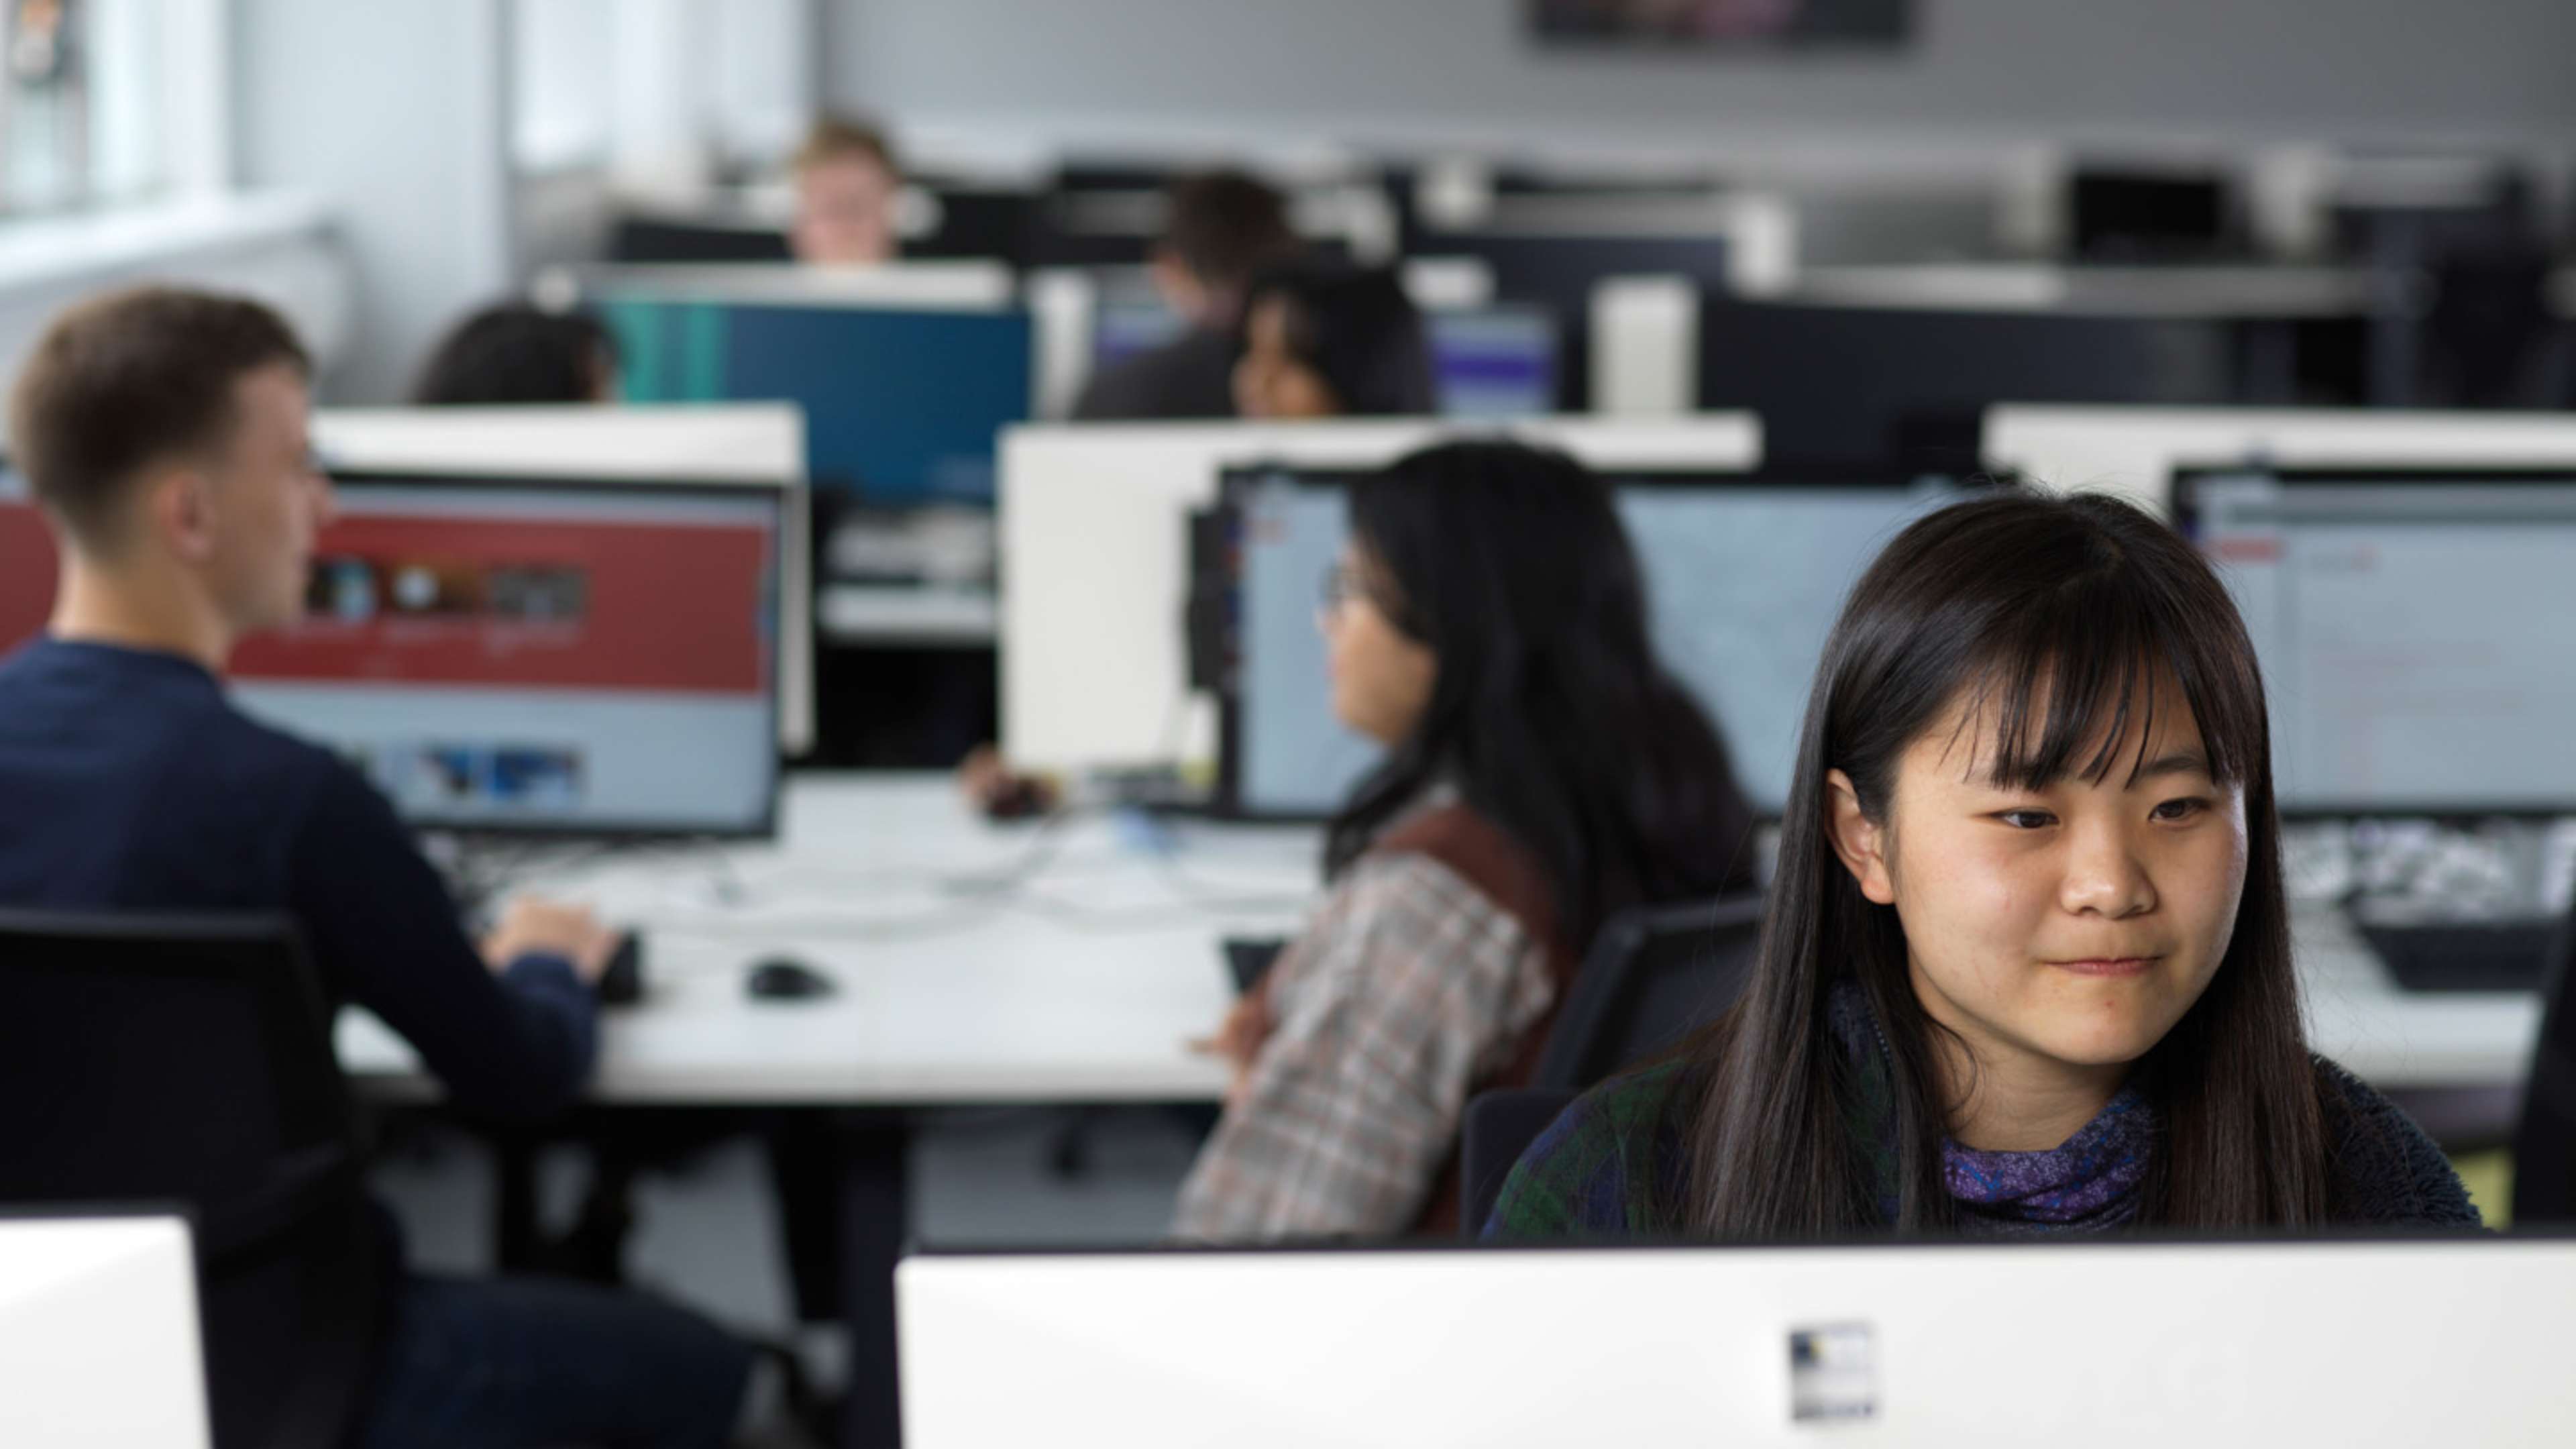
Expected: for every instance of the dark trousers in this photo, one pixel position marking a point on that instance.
(523, 1363)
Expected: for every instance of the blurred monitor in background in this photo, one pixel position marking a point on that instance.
(1224, 227)
(847, 181)
(1719, 22)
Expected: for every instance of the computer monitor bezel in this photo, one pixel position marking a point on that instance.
(779, 496)
(1234, 490)
(2184, 484)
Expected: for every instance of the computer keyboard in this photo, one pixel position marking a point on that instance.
(2448, 956)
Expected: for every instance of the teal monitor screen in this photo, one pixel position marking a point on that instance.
(901, 406)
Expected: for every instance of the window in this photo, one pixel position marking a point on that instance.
(104, 102)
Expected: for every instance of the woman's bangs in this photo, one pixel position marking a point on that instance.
(2075, 692)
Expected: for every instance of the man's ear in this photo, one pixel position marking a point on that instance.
(178, 508)
(1859, 840)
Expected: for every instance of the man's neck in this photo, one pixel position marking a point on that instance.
(96, 604)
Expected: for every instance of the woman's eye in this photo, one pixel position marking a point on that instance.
(2180, 809)
(2026, 819)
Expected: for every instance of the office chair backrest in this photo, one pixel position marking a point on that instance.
(1499, 1127)
(2544, 1149)
(1654, 974)
(187, 1060)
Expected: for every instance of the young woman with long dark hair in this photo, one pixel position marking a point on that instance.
(1488, 624)
(2026, 968)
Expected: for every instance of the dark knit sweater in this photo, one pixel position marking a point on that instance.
(1613, 1165)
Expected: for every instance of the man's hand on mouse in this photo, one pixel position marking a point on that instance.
(555, 929)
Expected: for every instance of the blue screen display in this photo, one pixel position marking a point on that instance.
(901, 406)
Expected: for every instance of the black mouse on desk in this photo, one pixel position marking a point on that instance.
(784, 978)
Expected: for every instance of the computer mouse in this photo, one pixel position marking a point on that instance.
(783, 978)
(622, 984)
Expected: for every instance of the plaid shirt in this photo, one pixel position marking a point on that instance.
(1408, 988)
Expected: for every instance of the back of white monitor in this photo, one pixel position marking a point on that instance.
(2133, 451)
(2113, 1345)
(99, 1335)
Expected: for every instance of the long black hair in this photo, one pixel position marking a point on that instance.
(1549, 712)
(2060, 615)
(515, 353)
(1358, 330)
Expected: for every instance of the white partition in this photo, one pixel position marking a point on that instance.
(2134, 450)
(1094, 557)
(756, 443)
(966, 285)
(99, 1341)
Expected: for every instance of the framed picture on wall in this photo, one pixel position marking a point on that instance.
(1720, 24)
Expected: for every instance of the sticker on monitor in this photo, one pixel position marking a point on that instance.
(1833, 1373)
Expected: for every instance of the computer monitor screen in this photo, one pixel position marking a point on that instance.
(2412, 628)
(506, 655)
(1488, 362)
(902, 406)
(1744, 576)
(1874, 386)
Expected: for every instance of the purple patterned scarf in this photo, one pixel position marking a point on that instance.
(2087, 1184)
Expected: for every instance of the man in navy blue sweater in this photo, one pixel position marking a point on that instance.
(163, 433)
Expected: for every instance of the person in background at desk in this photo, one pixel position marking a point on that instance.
(1325, 340)
(164, 434)
(1488, 624)
(1224, 227)
(2027, 966)
(515, 353)
(847, 184)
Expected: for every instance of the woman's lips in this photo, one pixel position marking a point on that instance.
(2107, 966)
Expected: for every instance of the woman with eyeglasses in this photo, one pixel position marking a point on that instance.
(1488, 625)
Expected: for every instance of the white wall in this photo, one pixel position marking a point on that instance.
(391, 112)
(1199, 70)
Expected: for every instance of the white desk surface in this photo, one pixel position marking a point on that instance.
(1083, 986)
(1085, 983)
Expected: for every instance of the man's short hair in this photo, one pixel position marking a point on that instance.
(1225, 226)
(845, 138)
(131, 379)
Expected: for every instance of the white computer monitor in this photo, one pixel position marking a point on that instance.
(757, 446)
(1095, 532)
(2134, 451)
(2412, 627)
(2121, 1344)
(99, 1338)
(1744, 575)
(567, 656)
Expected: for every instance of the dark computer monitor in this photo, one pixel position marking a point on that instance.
(1488, 362)
(656, 239)
(903, 405)
(1744, 574)
(1894, 386)
(1558, 269)
(518, 655)
(2140, 215)
(2413, 630)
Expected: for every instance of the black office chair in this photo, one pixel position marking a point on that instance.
(159, 1059)
(1499, 1127)
(2544, 1150)
(1653, 976)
